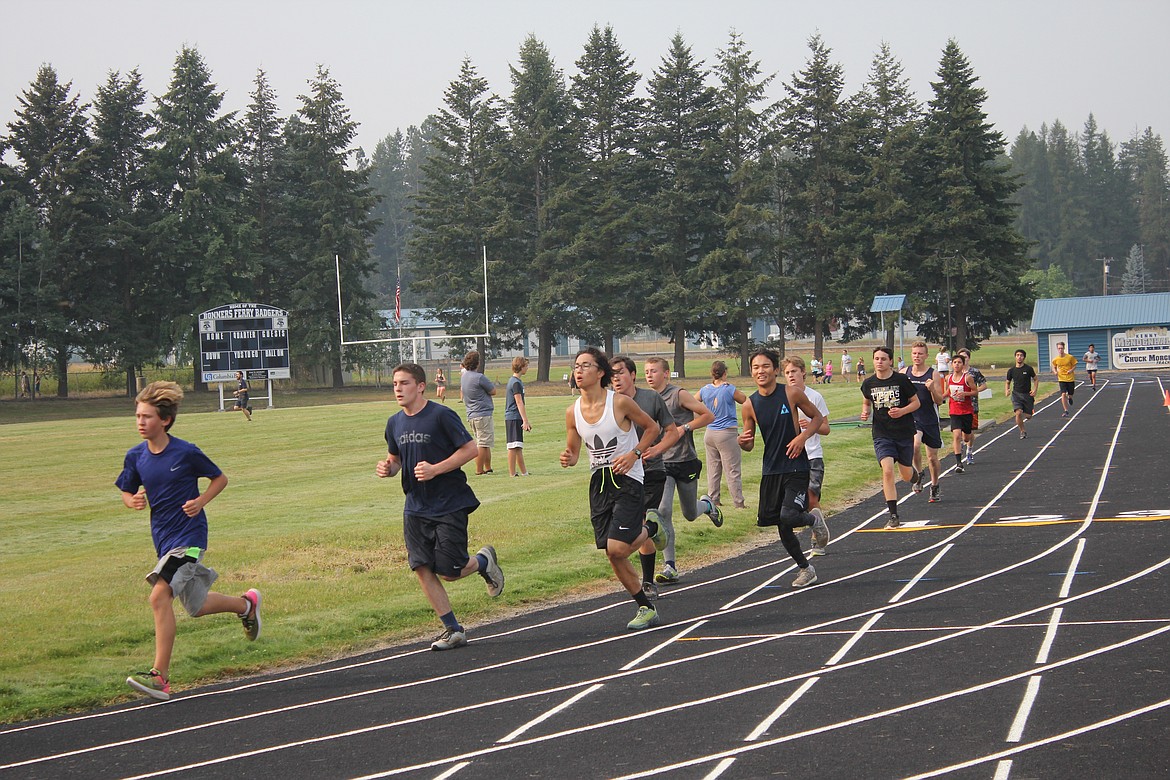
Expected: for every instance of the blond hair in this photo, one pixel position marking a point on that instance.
(164, 397)
(519, 364)
(794, 360)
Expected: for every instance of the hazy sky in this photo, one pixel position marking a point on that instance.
(1038, 61)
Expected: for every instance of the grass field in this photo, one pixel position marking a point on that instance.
(305, 520)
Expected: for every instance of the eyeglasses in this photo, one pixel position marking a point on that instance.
(583, 366)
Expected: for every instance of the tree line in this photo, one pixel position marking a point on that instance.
(690, 205)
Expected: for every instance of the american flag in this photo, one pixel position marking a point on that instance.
(398, 300)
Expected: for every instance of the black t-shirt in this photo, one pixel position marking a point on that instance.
(895, 390)
(1021, 378)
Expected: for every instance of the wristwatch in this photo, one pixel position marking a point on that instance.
(638, 454)
(686, 427)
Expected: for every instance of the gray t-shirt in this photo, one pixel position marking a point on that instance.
(477, 397)
(684, 449)
(652, 404)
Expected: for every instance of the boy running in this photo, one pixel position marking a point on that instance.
(169, 469)
(1064, 364)
(794, 374)
(1091, 359)
(892, 398)
(784, 484)
(428, 445)
(960, 389)
(605, 423)
(928, 387)
(242, 394)
(1022, 383)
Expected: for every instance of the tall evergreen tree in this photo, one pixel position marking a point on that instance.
(388, 179)
(50, 139)
(198, 180)
(732, 270)
(329, 208)
(125, 295)
(1135, 279)
(1036, 219)
(605, 247)
(974, 256)
(540, 157)
(684, 177)
(261, 153)
(1112, 221)
(458, 207)
(1144, 161)
(820, 170)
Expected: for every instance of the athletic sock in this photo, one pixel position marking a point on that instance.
(642, 599)
(669, 563)
(483, 565)
(915, 474)
(651, 527)
(450, 622)
(647, 566)
(247, 608)
(892, 506)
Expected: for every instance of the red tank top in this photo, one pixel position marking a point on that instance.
(963, 406)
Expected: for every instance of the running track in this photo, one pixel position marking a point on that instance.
(1018, 629)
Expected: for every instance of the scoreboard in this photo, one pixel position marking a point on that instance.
(248, 337)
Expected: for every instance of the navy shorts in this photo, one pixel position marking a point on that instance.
(901, 450)
(514, 431)
(439, 543)
(931, 436)
(616, 507)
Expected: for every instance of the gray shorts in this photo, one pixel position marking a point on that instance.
(189, 579)
(816, 475)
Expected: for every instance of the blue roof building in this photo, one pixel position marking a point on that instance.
(1130, 331)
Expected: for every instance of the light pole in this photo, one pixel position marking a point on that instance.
(1105, 275)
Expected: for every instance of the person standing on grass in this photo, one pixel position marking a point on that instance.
(606, 423)
(516, 418)
(1023, 384)
(654, 470)
(440, 385)
(476, 391)
(1065, 365)
(927, 431)
(784, 484)
(721, 397)
(683, 466)
(846, 365)
(893, 400)
(960, 389)
(428, 445)
(860, 369)
(794, 374)
(242, 394)
(169, 469)
(1092, 358)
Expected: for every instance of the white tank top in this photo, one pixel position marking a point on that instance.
(605, 439)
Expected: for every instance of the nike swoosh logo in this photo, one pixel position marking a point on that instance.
(175, 468)
(623, 528)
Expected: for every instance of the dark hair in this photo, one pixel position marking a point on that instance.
(1021, 352)
(414, 369)
(471, 361)
(628, 362)
(718, 369)
(889, 352)
(772, 355)
(602, 363)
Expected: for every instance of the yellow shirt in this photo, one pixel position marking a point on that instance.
(1064, 367)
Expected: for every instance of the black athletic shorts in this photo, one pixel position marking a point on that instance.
(962, 422)
(439, 543)
(616, 507)
(685, 471)
(654, 485)
(931, 436)
(778, 491)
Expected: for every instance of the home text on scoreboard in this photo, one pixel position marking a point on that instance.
(248, 337)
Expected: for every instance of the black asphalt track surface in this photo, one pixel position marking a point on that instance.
(1020, 628)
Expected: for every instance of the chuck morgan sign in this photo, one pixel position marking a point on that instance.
(1145, 347)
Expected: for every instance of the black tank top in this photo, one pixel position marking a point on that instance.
(777, 429)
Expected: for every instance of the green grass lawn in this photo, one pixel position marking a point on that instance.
(305, 520)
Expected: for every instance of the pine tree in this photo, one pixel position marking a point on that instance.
(458, 206)
(541, 155)
(388, 171)
(731, 272)
(1144, 161)
(1135, 279)
(972, 251)
(50, 139)
(681, 212)
(124, 300)
(198, 181)
(604, 248)
(261, 154)
(329, 206)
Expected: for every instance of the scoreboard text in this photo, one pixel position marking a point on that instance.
(248, 337)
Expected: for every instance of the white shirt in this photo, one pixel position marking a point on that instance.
(812, 445)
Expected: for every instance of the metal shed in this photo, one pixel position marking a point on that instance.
(1130, 331)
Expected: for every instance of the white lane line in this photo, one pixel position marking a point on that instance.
(1003, 770)
(857, 635)
(719, 769)
(545, 716)
(1055, 738)
(450, 772)
(1049, 636)
(922, 573)
(1016, 732)
(662, 645)
(767, 722)
(686, 705)
(1072, 569)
